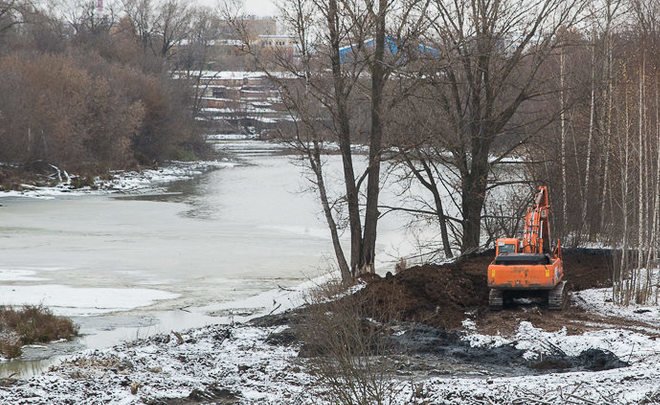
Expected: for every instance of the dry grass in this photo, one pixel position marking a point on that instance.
(31, 324)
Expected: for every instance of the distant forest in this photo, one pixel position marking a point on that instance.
(89, 91)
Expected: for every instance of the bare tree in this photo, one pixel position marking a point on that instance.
(345, 63)
(194, 57)
(85, 17)
(9, 15)
(172, 24)
(491, 56)
(141, 15)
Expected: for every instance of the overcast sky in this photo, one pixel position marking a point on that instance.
(256, 7)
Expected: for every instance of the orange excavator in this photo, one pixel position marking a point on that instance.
(528, 267)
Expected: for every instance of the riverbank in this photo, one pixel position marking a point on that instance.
(591, 359)
(134, 263)
(49, 181)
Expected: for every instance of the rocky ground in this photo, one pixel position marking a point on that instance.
(444, 347)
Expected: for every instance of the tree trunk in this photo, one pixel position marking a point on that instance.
(562, 118)
(314, 156)
(352, 196)
(440, 212)
(655, 217)
(375, 144)
(624, 197)
(431, 185)
(592, 113)
(473, 197)
(608, 131)
(640, 162)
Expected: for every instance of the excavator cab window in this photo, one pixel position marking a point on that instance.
(506, 248)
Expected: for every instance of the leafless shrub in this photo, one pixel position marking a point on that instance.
(31, 324)
(348, 350)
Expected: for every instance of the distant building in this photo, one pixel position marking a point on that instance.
(242, 98)
(252, 25)
(348, 52)
(284, 45)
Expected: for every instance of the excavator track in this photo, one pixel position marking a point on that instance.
(495, 299)
(557, 296)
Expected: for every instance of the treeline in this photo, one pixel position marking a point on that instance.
(88, 91)
(478, 103)
(606, 143)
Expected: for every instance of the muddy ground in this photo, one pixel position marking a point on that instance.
(424, 308)
(441, 295)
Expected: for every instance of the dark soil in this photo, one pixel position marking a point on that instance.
(589, 360)
(587, 268)
(420, 339)
(209, 395)
(430, 294)
(428, 303)
(440, 295)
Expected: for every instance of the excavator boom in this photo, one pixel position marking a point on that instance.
(537, 227)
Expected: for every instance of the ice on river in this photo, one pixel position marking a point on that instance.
(72, 301)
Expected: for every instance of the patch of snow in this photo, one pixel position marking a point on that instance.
(169, 366)
(623, 386)
(626, 344)
(132, 181)
(628, 385)
(479, 340)
(240, 360)
(595, 245)
(230, 137)
(599, 300)
(275, 301)
(7, 275)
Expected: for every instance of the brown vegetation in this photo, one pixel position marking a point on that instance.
(82, 92)
(31, 324)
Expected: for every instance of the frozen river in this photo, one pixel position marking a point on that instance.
(124, 266)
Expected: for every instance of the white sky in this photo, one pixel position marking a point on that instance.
(256, 7)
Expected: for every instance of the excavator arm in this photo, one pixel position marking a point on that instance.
(536, 234)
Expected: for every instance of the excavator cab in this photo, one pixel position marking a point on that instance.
(506, 246)
(528, 267)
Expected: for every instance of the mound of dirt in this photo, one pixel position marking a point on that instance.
(439, 295)
(587, 268)
(588, 360)
(436, 295)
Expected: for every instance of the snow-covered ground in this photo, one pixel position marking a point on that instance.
(237, 362)
(599, 300)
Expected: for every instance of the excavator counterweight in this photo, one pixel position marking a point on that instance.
(528, 266)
